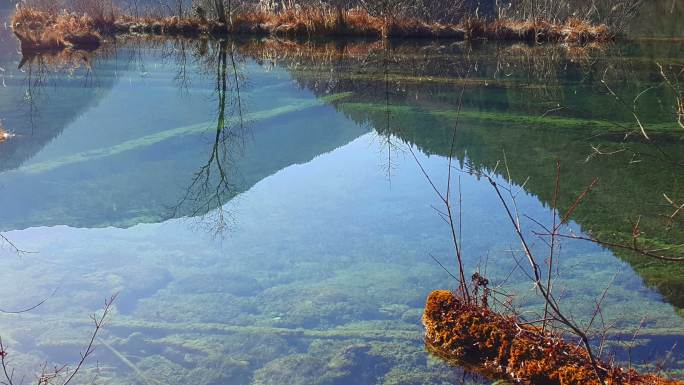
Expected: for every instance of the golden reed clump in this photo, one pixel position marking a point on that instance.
(42, 31)
(498, 347)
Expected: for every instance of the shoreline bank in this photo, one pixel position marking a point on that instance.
(40, 31)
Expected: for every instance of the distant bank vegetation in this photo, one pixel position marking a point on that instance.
(83, 24)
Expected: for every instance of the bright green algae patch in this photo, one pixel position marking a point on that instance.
(147, 348)
(525, 121)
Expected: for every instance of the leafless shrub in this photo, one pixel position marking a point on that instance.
(58, 375)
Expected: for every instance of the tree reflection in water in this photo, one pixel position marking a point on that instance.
(213, 184)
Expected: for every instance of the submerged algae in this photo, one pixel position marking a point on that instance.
(171, 346)
(633, 174)
(559, 122)
(304, 369)
(189, 328)
(588, 126)
(362, 364)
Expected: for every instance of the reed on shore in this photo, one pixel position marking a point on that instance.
(45, 30)
(42, 31)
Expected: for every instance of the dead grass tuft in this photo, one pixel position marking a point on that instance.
(324, 22)
(41, 31)
(573, 31)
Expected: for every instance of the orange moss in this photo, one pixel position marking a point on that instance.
(498, 346)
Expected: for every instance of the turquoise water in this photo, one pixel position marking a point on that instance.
(279, 231)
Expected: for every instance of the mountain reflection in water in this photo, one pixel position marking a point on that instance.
(254, 203)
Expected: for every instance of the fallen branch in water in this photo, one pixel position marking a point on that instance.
(502, 347)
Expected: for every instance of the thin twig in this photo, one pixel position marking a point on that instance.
(553, 305)
(554, 206)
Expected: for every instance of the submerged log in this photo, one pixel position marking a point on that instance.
(499, 347)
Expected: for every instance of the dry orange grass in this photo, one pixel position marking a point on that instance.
(315, 22)
(580, 31)
(32, 17)
(257, 17)
(46, 30)
(572, 31)
(360, 22)
(41, 31)
(332, 22)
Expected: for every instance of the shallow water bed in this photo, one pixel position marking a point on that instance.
(259, 212)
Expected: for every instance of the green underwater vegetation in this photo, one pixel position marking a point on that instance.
(498, 121)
